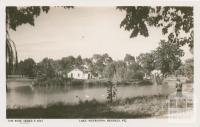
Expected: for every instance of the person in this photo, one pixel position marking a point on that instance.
(178, 88)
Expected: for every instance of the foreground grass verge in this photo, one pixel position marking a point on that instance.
(138, 107)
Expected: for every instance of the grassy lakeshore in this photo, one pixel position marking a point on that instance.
(137, 107)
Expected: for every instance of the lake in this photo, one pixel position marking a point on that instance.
(22, 94)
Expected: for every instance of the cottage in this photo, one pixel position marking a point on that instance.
(156, 73)
(80, 74)
(146, 76)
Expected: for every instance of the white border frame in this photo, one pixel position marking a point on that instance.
(75, 122)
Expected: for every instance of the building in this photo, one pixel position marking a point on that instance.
(80, 74)
(146, 76)
(156, 73)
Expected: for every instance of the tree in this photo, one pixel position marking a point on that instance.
(121, 69)
(78, 61)
(11, 55)
(46, 69)
(189, 68)
(67, 63)
(134, 72)
(87, 61)
(180, 70)
(115, 71)
(100, 62)
(129, 59)
(27, 67)
(20, 68)
(111, 92)
(174, 20)
(146, 60)
(17, 16)
(167, 57)
(106, 59)
(109, 71)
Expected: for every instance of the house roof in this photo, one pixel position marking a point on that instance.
(83, 70)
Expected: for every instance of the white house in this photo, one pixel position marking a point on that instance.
(80, 74)
(156, 73)
(146, 76)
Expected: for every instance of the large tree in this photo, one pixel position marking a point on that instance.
(67, 63)
(100, 62)
(115, 71)
(174, 21)
(134, 72)
(15, 17)
(27, 67)
(46, 69)
(167, 57)
(147, 61)
(129, 59)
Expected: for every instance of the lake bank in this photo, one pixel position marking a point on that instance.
(137, 107)
(133, 101)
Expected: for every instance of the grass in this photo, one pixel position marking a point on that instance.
(155, 105)
(138, 107)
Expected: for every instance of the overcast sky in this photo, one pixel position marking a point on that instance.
(82, 31)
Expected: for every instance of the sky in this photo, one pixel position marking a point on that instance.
(82, 31)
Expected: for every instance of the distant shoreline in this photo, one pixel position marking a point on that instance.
(82, 82)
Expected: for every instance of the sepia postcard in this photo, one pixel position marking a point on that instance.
(84, 65)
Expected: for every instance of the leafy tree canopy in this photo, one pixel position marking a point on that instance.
(146, 60)
(27, 67)
(46, 68)
(167, 57)
(16, 16)
(173, 20)
(129, 59)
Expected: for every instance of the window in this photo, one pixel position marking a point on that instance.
(78, 75)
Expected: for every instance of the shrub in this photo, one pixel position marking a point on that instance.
(145, 82)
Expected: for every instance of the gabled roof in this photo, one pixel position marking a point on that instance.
(83, 70)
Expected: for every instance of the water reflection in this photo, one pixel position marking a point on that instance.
(23, 94)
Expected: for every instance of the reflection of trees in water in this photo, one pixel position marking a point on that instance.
(161, 86)
(159, 80)
(52, 89)
(64, 88)
(24, 91)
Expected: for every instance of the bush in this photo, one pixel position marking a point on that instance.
(135, 75)
(50, 81)
(145, 82)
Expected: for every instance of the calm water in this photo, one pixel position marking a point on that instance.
(21, 93)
